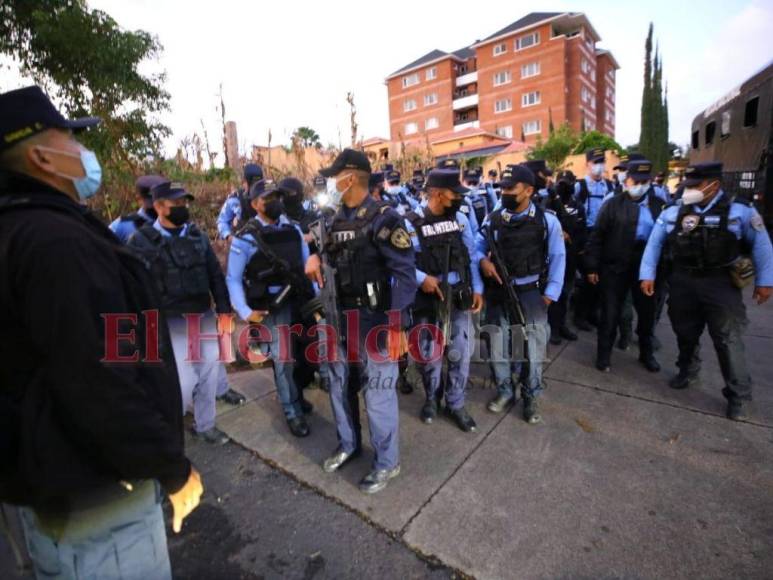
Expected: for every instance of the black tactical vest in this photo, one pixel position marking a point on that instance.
(521, 241)
(435, 234)
(137, 219)
(353, 251)
(479, 206)
(179, 265)
(247, 211)
(702, 242)
(284, 241)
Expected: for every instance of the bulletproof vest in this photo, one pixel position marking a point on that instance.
(137, 219)
(247, 211)
(180, 266)
(285, 242)
(521, 241)
(353, 252)
(586, 195)
(436, 234)
(479, 206)
(571, 218)
(703, 241)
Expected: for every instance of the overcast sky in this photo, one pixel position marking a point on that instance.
(286, 64)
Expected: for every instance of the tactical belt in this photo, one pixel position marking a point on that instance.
(353, 302)
(526, 287)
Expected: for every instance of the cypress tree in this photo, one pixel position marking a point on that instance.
(656, 119)
(645, 134)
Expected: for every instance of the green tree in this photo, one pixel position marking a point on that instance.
(89, 64)
(653, 139)
(590, 139)
(307, 136)
(558, 146)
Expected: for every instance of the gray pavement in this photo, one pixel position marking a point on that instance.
(625, 478)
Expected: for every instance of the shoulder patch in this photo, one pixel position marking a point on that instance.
(400, 238)
(757, 223)
(383, 234)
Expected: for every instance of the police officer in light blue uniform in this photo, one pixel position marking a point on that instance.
(661, 187)
(530, 242)
(466, 208)
(237, 209)
(399, 192)
(189, 277)
(476, 196)
(264, 293)
(704, 237)
(124, 226)
(439, 230)
(371, 251)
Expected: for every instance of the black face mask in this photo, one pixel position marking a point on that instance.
(509, 202)
(178, 215)
(273, 209)
(293, 208)
(540, 182)
(565, 191)
(451, 210)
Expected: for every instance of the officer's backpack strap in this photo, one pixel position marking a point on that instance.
(584, 193)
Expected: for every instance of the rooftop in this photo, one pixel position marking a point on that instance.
(529, 20)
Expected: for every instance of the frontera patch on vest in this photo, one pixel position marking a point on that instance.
(400, 238)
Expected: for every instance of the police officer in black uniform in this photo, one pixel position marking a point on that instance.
(612, 258)
(571, 215)
(371, 252)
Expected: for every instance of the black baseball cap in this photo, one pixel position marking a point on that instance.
(537, 165)
(699, 172)
(347, 159)
(515, 174)
(639, 170)
(595, 154)
(448, 164)
(392, 176)
(169, 190)
(445, 179)
(28, 111)
(471, 175)
(252, 171)
(376, 178)
(145, 183)
(291, 187)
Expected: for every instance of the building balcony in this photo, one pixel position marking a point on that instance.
(465, 102)
(467, 125)
(466, 79)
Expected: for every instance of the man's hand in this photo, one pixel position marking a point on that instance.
(257, 316)
(567, 237)
(397, 344)
(225, 324)
(593, 278)
(547, 301)
(761, 294)
(431, 285)
(313, 270)
(489, 270)
(186, 500)
(477, 303)
(308, 238)
(647, 287)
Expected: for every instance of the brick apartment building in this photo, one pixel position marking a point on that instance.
(545, 65)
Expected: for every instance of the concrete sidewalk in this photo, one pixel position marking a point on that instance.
(625, 477)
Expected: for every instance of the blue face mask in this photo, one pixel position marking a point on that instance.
(88, 185)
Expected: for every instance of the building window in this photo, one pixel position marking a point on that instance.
(526, 41)
(750, 112)
(430, 99)
(593, 74)
(711, 128)
(695, 140)
(500, 49)
(431, 123)
(506, 132)
(409, 105)
(588, 125)
(585, 95)
(410, 80)
(608, 115)
(431, 74)
(724, 128)
(502, 78)
(593, 104)
(610, 93)
(530, 70)
(532, 127)
(585, 65)
(503, 105)
(411, 128)
(530, 99)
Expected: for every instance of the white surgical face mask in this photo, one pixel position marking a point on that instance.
(621, 177)
(393, 189)
(333, 192)
(692, 195)
(638, 190)
(597, 169)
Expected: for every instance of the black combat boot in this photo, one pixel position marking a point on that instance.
(531, 410)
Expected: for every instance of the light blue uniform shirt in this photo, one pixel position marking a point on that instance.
(231, 211)
(556, 252)
(597, 193)
(123, 229)
(740, 223)
(469, 241)
(240, 255)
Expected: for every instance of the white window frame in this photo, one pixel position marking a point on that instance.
(534, 66)
(526, 99)
(431, 74)
(411, 80)
(431, 123)
(533, 35)
(409, 105)
(499, 49)
(585, 96)
(508, 78)
(584, 65)
(536, 123)
(507, 105)
(506, 131)
(428, 102)
(411, 128)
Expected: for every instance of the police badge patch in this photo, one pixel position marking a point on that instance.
(400, 238)
(690, 222)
